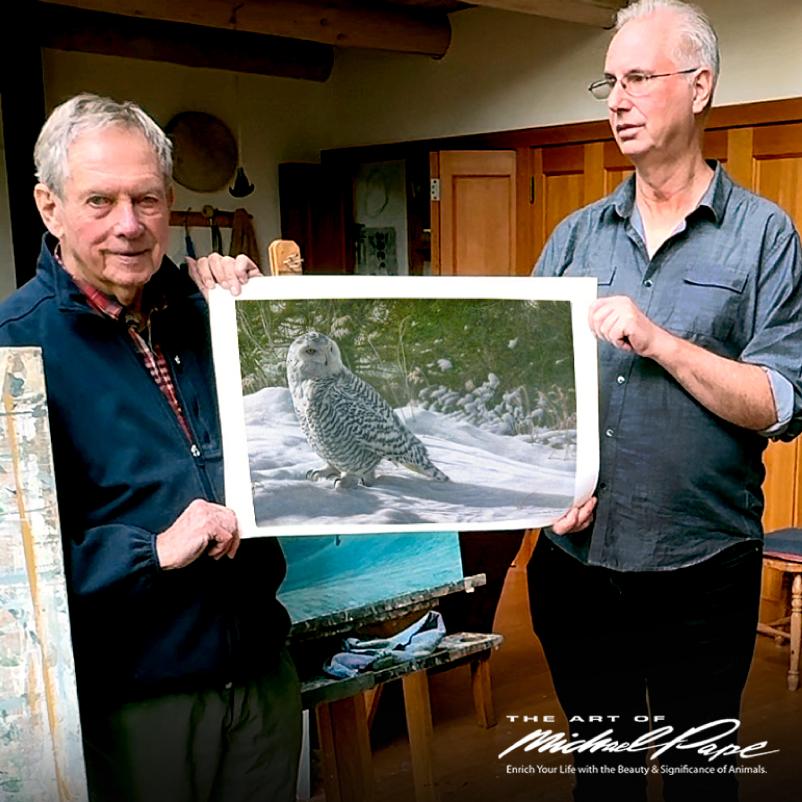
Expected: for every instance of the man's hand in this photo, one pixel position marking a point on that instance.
(227, 271)
(617, 320)
(576, 519)
(201, 528)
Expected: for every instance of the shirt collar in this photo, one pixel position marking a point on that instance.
(714, 200)
(108, 305)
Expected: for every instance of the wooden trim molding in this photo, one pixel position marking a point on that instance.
(765, 112)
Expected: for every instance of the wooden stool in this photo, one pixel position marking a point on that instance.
(783, 552)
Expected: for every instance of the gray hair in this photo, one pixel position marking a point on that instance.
(698, 39)
(87, 112)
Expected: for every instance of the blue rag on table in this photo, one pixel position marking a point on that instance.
(417, 640)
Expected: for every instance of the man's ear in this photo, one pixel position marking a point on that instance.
(702, 90)
(48, 205)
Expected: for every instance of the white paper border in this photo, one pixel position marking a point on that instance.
(579, 291)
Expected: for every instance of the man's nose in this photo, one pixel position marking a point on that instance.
(617, 97)
(127, 223)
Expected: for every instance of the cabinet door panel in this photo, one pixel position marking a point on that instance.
(476, 213)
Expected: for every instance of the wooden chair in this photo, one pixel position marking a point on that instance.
(783, 552)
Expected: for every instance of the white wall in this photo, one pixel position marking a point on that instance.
(506, 71)
(502, 71)
(282, 120)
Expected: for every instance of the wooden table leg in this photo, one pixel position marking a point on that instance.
(796, 631)
(345, 749)
(419, 728)
(482, 687)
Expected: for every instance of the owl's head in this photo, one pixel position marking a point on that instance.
(313, 356)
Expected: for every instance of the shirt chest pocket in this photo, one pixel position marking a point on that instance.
(603, 274)
(710, 302)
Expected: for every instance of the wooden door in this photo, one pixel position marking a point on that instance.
(474, 219)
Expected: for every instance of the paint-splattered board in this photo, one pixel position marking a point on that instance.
(41, 756)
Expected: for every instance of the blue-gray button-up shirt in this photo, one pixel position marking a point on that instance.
(678, 484)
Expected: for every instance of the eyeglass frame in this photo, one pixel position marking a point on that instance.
(621, 81)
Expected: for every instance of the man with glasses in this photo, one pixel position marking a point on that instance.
(645, 598)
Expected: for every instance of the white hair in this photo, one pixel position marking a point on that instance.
(697, 38)
(87, 112)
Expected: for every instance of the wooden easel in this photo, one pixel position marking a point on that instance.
(341, 706)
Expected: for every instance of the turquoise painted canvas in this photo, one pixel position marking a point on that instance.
(330, 574)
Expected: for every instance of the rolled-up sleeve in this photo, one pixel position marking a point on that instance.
(776, 343)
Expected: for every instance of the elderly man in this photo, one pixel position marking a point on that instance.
(700, 327)
(186, 688)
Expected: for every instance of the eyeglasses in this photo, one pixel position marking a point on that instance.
(635, 84)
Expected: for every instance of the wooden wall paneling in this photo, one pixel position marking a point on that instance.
(434, 215)
(593, 188)
(617, 167)
(538, 209)
(563, 172)
(739, 155)
(478, 195)
(526, 253)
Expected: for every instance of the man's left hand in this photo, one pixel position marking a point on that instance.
(228, 271)
(619, 321)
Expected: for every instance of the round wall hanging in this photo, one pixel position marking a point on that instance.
(204, 151)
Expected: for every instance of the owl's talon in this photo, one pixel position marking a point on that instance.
(346, 482)
(327, 472)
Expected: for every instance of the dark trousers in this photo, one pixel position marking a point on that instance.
(239, 743)
(488, 553)
(674, 644)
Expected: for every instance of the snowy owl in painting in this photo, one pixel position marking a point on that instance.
(345, 420)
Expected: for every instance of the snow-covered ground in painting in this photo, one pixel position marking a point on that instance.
(494, 478)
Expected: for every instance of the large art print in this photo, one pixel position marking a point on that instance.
(362, 404)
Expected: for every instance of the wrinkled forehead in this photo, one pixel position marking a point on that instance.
(648, 44)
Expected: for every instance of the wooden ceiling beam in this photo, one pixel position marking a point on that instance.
(70, 29)
(598, 13)
(336, 22)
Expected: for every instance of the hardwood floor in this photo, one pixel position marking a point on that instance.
(466, 763)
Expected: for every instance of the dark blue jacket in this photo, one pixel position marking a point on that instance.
(124, 472)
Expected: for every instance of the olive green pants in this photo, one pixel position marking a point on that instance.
(232, 744)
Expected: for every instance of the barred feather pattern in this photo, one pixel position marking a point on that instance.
(344, 419)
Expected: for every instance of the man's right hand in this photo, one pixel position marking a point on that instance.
(576, 519)
(202, 528)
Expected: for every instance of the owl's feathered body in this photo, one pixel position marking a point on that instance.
(344, 419)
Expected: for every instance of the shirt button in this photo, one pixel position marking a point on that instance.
(620, 379)
(194, 450)
(647, 283)
(609, 432)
